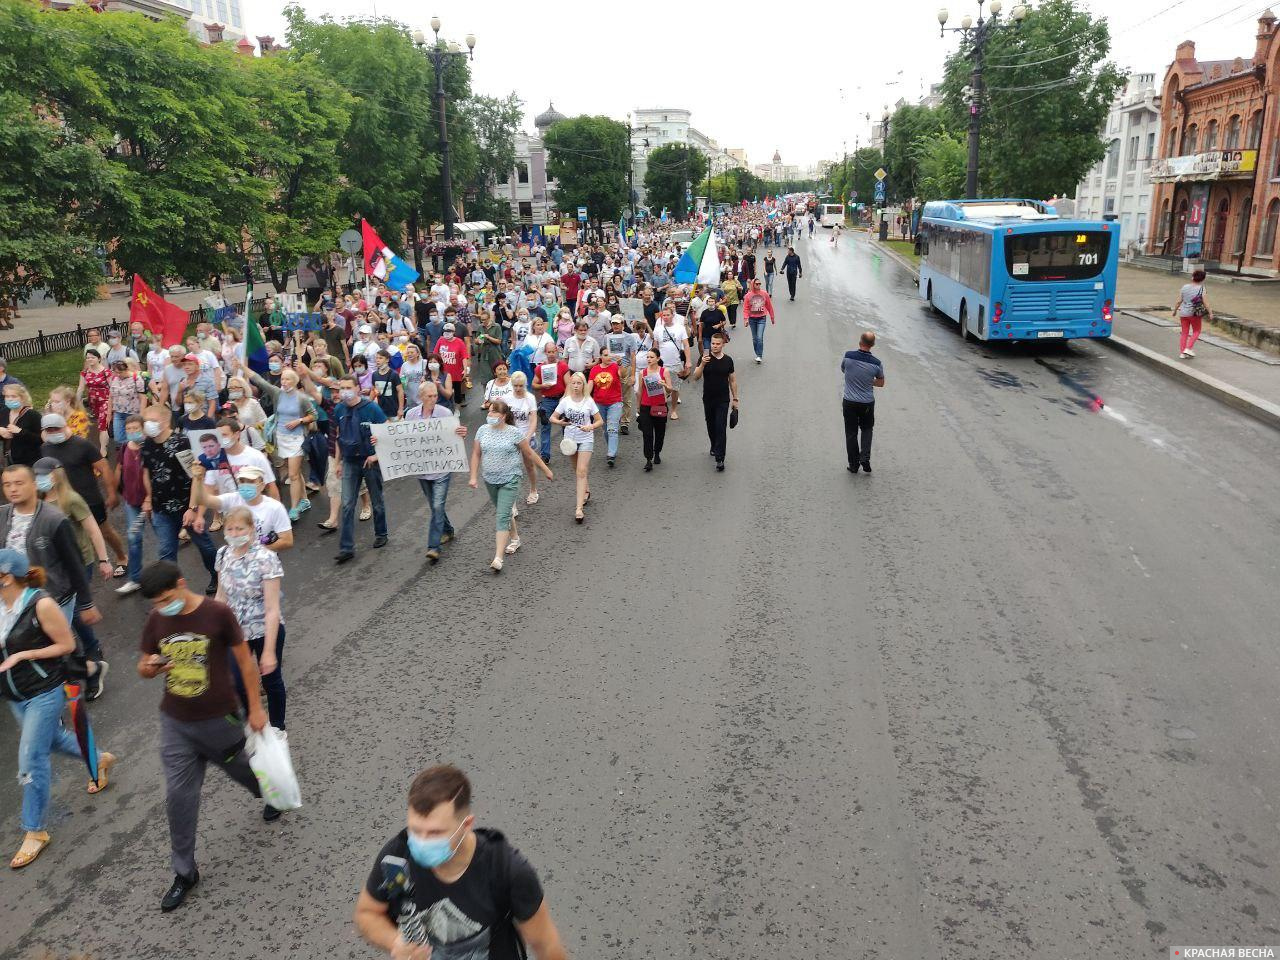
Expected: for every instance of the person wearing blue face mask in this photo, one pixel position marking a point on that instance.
(191, 641)
(19, 425)
(444, 866)
(270, 518)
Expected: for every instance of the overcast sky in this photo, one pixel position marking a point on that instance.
(796, 75)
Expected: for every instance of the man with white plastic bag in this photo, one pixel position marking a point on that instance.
(189, 640)
(271, 764)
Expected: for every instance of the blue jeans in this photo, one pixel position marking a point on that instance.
(117, 427)
(353, 472)
(547, 405)
(40, 720)
(134, 528)
(167, 525)
(88, 639)
(757, 334)
(768, 283)
(436, 492)
(612, 414)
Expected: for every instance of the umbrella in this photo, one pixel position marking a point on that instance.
(83, 731)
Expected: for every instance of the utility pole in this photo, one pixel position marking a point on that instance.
(631, 165)
(976, 36)
(439, 53)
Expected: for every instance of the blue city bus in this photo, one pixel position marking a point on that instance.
(1014, 270)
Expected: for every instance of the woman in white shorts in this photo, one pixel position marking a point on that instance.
(580, 417)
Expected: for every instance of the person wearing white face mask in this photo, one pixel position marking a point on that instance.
(248, 411)
(234, 455)
(271, 521)
(501, 450)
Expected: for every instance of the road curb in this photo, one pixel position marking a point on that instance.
(1258, 408)
(895, 255)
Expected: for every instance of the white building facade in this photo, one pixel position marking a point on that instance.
(527, 190)
(1119, 185)
(662, 126)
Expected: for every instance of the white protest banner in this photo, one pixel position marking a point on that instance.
(632, 308)
(409, 448)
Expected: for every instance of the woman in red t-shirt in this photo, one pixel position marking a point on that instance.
(604, 386)
(653, 383)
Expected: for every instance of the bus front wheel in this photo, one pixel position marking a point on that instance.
(965, 332)
(929, 298)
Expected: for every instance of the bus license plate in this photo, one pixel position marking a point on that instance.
(1048, 333)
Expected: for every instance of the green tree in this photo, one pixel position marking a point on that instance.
(491, 125)
(908, 125)
(940, 163)
(294, 148)
(46, 178)
(170, 120)
(669, 168)
(856, 174)
(589, 157)
(1049, 87)
(386, 152)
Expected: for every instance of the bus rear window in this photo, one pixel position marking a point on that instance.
(1059, 255)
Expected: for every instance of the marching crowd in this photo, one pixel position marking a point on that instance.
(560, 349)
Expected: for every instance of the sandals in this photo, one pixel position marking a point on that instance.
(366, 513)
(496, 566)
(33, 845)
(532, 498)
(105, 762)
(216, 525)
(579, 516)
(513, 546)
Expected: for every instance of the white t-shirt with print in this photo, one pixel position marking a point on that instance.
(269, 516)
(224, 481)
(578, 413)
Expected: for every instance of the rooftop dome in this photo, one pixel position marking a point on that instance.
(544, 120)
(777, 157)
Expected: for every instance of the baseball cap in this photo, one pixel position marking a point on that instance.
(617, 318)
(190, 358)
(53, 421)
(45, 466)
(14, 562)
(249, 472)
(365, 328)
(450, 327)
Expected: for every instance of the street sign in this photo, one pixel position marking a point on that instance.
(879, 191)
(853, 194)
(880, 174)
(350, 241)
(582, 214)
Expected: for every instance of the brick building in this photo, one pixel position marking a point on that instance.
(1216, 194)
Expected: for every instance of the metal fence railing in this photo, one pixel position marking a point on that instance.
(43, 344)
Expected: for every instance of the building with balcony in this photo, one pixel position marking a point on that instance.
(1119, 185)
(1216, 195)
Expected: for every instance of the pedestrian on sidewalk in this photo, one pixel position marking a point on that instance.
(1191, 309)
(862, 374)
(191, 640)
(719, 393)
(37, 643)
(792, 268)
(446, 885)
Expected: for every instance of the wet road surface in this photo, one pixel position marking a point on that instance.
(1011, 695)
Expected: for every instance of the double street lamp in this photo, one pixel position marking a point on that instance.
(976, 36)
(439, 52)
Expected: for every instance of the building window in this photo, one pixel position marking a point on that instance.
(235, 14)
(223, 16)
(1131, 159)
(1163, 224)
(1211, 136)
(526, 211)
(1173, 144)
(1232, 142)
(1242, 226)
(1109, 205)
(522, 172)
(1255, 131)
(1151, 147)
(1267, 234)
(1275, 148)
(1113, 158)
(1189, 139)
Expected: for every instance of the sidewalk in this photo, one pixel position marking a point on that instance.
(51, 318)
(1242, 376)
(1249, 311)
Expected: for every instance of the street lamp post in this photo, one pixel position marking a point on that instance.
(976, 35)
(439, 52)
(631, 168)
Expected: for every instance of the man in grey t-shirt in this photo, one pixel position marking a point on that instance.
(863, 372)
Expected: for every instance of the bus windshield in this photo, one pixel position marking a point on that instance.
(1056, 255)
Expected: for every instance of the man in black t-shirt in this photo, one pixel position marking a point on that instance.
(719, 393)
(447, 889)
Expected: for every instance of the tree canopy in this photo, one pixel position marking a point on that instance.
(589, 157)
(669, 169)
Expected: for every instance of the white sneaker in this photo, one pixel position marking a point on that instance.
(128, 587)
(513, 546)
(1183, 355)
(1191, 353)
(759, 360)
(496, 566)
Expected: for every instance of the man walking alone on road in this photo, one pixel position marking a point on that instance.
(862, 374)
(792, 268)
(718, 393)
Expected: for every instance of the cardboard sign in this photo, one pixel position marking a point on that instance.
(301, 322)
(411, 448)
(632, 308)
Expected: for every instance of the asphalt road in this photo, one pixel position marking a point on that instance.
(1011, 695)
